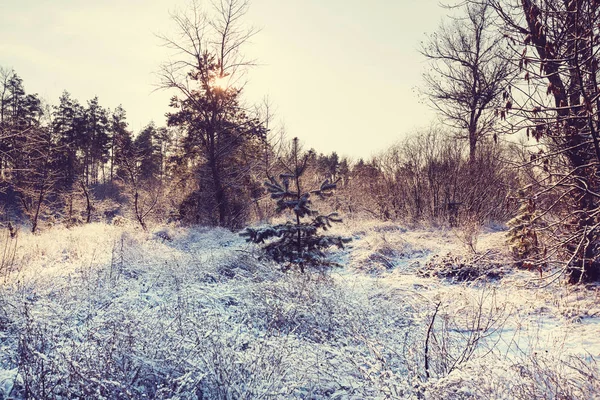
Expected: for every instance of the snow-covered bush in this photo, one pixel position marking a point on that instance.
(525, 378)
(461, 268)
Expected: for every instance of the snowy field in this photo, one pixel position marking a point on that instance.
(101, 311)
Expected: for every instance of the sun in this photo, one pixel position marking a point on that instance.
(221, 81)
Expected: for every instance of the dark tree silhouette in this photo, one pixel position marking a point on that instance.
(207, 105)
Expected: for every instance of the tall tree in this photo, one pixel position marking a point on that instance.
(120, 143)
(469, 71)
(557, 42)
(28, 148)
(96, 142)
(5, 76)
(148, 151)
(68, 130)
(37, 175)
(208, 106)
(20, 114)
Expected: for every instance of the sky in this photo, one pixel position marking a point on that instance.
(342, 75)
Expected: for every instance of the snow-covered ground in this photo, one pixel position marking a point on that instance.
(101, 311)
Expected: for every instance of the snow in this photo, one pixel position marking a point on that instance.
(112, 312)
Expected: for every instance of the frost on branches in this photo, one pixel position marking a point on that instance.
(298, 241)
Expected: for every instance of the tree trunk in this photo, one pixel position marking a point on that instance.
(219, 191)
(88, 203)
(585, 264)
(583, 249)
(138, 212)
(472, 147)
(38, 208)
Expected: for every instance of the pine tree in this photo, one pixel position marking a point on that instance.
(121, 143)
(148, 153)
(298, 241)
(20, 113)
(96, 141)
(68, 129)
(522, 235)
(208, 106)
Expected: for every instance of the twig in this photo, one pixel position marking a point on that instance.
(429, 330)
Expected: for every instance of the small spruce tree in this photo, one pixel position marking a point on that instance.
(522, 235)
(299, 241)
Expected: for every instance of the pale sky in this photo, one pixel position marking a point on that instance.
(342, 74)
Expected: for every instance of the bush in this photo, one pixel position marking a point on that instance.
(461, 269)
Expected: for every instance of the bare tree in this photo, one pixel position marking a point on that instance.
(36, 177)
(5, 76)
(468, 73)
(209, 64)
(145, 195)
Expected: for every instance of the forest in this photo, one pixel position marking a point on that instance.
(212, 255)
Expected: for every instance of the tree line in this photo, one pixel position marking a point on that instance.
(55, 160)
(76, 164)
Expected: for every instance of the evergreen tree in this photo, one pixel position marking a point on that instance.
(298, 241)
(30, 151)
(344, 171)
(20, 115)
(121, 144)
(219, 131)
(329, 166)
(68, 128)
(148, 153)
(522, 235)
(96, 140)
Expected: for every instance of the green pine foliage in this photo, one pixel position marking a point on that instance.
(522, 236)
(298, 242)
